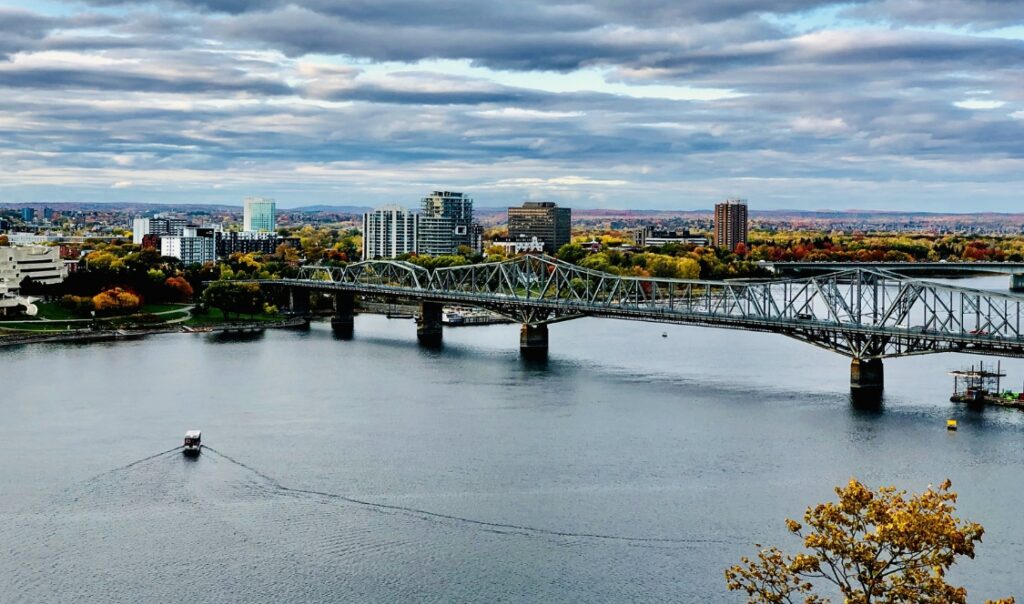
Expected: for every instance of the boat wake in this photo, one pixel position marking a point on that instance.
(136, 462)
(427, 515)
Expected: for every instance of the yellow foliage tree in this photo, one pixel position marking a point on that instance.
(103, 260)
(871, 547)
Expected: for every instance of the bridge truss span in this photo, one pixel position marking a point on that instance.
(863, 313)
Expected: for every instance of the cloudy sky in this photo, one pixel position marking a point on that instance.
(877, 104)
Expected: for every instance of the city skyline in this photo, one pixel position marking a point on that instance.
(864, 105)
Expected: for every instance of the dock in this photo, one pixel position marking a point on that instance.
(981, 386)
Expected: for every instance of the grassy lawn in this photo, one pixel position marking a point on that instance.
(54, 311)
(58, 318)
(159, 308)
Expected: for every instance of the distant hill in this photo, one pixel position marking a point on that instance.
(329, 209)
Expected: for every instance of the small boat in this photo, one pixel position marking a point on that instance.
(951, 425)
(193, 442)
(453, 318)
(664, 334)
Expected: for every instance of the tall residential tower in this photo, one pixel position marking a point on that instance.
(389, 231)
(730, 223)
(446, 223)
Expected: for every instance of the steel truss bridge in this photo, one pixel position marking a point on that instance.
(1014, 269)
(866, 314)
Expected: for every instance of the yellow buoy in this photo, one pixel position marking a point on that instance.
(951, 424)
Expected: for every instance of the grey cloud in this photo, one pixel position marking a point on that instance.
(111, 79)
(21, 29)
(299, 31)
(545, 15)
(871, 105)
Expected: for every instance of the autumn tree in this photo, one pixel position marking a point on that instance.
(180, 288)
(870, 546)
(116, 300)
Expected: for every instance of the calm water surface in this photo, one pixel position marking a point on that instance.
(630, 467)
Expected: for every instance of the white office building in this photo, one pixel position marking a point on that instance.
(389, 231)
(37, 263)
(259, 214)
(41, 264)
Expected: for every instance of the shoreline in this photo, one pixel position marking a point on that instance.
(109, 335)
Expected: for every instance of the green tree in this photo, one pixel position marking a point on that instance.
(571, 253)
(871, 547)
(234, 298)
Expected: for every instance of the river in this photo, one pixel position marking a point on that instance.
(629, 467)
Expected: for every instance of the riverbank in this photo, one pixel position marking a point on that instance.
(106, 335)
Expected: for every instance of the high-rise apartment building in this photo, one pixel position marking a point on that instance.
(389, 231)
(731, 223)
(159, 226)
(192, 248)
(543, 220)
(28, 214)
(445, 223)
(259, 214)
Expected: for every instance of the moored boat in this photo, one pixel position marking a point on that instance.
(981, 386)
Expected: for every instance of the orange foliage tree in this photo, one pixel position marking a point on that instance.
(116, 300)
(179, 288)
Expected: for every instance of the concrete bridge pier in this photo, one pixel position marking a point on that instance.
(343, 321)
(298, 301)
(1017, 282)
(429, 328)
(533, 341)
(867, 375)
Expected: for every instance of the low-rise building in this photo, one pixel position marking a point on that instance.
(40, 264)
(247, 242)
(24, 238)
(10, 301)
(36, 263)
(649, 236)
(511, 247)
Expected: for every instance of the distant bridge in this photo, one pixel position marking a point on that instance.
(866, 314)
(1014, 269)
